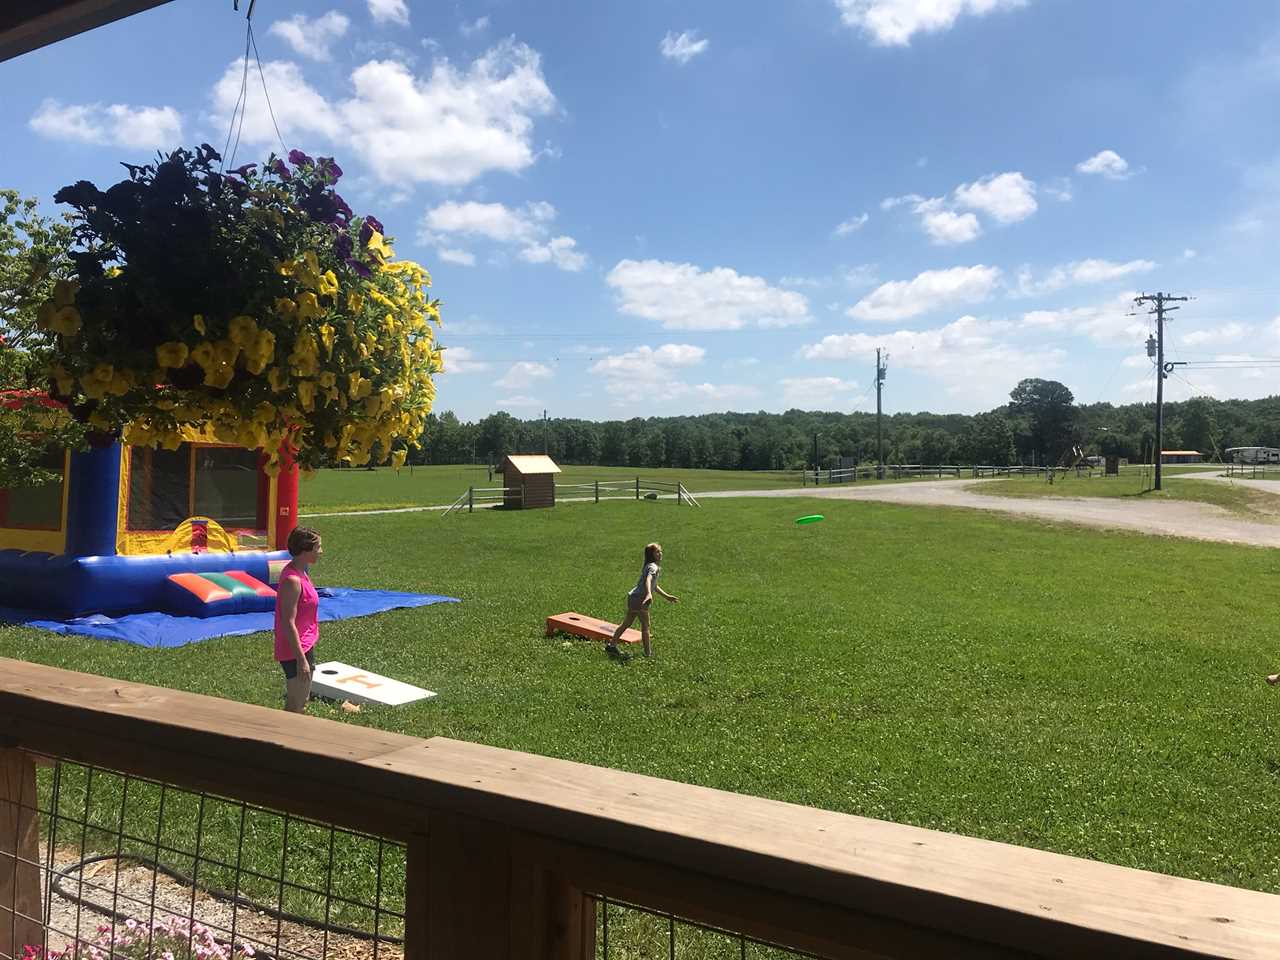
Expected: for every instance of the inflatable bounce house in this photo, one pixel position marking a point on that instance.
(157, 547)
(195, 531)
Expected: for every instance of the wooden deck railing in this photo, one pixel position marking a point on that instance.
(508, 852)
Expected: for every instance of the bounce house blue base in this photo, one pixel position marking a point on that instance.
(67, 586)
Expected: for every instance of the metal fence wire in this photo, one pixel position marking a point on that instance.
(626, 931)
(134, 868)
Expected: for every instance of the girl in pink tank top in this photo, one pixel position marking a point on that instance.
(297, 622)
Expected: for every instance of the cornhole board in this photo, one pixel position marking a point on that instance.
(580, 625)
(341, 681)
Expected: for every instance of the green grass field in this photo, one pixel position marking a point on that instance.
(1246, 502)
(1087, 692)
(332, 491)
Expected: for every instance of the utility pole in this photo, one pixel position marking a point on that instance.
(544, 431)
(816, 467)
(1159, 309)
(882, 367)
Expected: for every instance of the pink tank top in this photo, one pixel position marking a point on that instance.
(304, 619)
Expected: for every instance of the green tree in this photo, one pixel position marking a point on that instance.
(1048, 410)
(988, 440)
(32, 258)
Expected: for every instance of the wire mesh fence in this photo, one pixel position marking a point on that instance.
(626, 931)
(135, 868)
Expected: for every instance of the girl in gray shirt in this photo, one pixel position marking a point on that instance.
(640, 597)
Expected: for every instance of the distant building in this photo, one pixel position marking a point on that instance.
(1181, 456)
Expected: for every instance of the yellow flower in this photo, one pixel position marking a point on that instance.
(326, 337)
(172, 354)
(66, 321)
(261, 352)
(278, 379)
(378, 246)
(328, 378)
(64, 292)
(243, 330)
(355, 302)
(226, 351)
(95, 383)
(307, 394)
(286, 308)
(308, 307)
(219, 375)
(264, 412)
(203, 354)
(119, 385)
(198, 322)
(328, 285)
(113, 272)
(398, 458)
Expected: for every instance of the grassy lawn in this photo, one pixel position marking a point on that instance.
(1087, 692)
(1253, 504)
(331, 491)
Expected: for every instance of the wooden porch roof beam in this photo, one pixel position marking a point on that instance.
(27, 25)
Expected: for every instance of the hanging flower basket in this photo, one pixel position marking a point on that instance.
(252, 307)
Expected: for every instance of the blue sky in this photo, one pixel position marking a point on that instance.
(635, 209)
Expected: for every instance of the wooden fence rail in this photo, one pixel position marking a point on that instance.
(507, 852)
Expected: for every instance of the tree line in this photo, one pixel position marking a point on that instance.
(1040, 424)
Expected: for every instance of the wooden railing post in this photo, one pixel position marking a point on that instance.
(637, 488)
(482, 894)
(20, 900)
(597, 491)
(471, 499)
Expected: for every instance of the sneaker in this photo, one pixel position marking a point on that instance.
(1273, 679)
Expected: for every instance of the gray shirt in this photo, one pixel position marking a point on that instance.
(649, 568)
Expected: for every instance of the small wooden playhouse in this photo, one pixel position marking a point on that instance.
(530, 481)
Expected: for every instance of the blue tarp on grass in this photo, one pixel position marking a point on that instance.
(164, 630)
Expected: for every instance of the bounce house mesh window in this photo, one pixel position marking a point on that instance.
(167, 487)
(227, 486)
(36, 508)
(159, 487)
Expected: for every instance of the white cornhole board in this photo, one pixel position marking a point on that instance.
(344, 682)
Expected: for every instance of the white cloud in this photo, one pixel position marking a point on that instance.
(559, 251)
(801, 281)
(460, 360)
(645, 373)
(861, 275)
(312, 38)
(946, 227)
(929, 291)
(1227, 333)
(519, 400)
(684, 46)
(1060, 190)
(114, 125)
(682, 296)
(521, 373)
(1106, 163)
(479, 25)
(976, 361)
(389, 11)
(1111, 322)
(817, 393)
(527, 226)
(852, 225)
(456, 255)
(1005, 197)
(892, 23)
(1079, 272)
(449, 127)
(1189, 254)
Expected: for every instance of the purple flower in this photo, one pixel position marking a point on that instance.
(299, 159)
(371, 223)
(342, 246)
(344, 212)
(331, 169)
(245, 170)
(281, 170)
(359, 268)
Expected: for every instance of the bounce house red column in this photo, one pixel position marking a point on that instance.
(286, 500)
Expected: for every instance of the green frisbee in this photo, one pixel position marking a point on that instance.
(812, 518)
